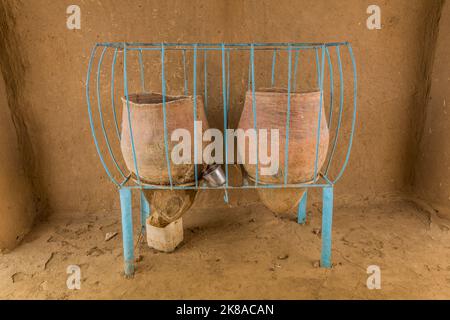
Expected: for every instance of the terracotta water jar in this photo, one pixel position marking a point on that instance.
(271, 110)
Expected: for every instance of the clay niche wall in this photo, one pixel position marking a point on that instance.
(400, 143)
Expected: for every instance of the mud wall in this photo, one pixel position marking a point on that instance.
(433, 166)
(390, 66)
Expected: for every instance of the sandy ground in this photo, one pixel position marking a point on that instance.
(240, 253)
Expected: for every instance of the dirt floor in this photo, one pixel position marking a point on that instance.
(241, 253)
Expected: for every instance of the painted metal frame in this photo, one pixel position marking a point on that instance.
(126, 185)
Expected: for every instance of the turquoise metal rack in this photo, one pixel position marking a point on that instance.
(125, 185)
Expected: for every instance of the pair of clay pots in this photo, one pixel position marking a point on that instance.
(146, 112)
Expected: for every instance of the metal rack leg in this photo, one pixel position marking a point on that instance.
(327, 219)
(301, 218)
(145, 212)
(127, 231)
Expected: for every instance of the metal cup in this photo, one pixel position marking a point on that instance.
(214, 176)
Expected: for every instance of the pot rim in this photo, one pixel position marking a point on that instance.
(172, 99)
(283, 91)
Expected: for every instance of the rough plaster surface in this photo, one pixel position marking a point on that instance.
(17, 209)
(433, 166)
(390, 78)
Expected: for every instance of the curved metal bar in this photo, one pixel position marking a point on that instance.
(91, 121)
(255, 123)
(142, 71)
(166, 139)
(225, 108)
(355, 95)
(185, 73)
(274, 61)
(321, 76)
(194, 88)
(125, 87)
(113, 105)
(330, 67)
(205, 58)
(341, 108)
(288, 119)
(99, 105)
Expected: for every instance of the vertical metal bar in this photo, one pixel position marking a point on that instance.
(288, 118)
(317, 66)
(228, 82)
(355, 96)
(102, 123)
(319, 121)
(294, 85)
(341, 108)
(327, 221)
(141, 68)
(205, 57)
(255, 124)
(145, 211)
(91, 120)
(166, 139)
(301, 214)
(249, 73)
(225, 108)
(185, 73)
(116, 125)
(195, 115)
(127, 231)
(125, 86)
(274, 60)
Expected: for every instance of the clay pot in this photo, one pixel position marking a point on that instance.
(168, 206)
(146, 111)
(281, 201)
(271, 108)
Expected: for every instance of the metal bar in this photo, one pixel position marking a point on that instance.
(142, 70)
(145, 211)
(330, 66)
(341, 108)
(327, 221)
(319, 121)
(166, 139)
(259, 186)
(297, 53)
(228, 45)
(194, 88)
(228, 83)
(288, 120)
(113, 64)
(274, 60)
(91, 120)
(125, 86)
(102, 123)
(185, 74)
(255, 124)
(127, 231)
(205, 57)
(355, 95)
(225, 108)
(301, 213)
